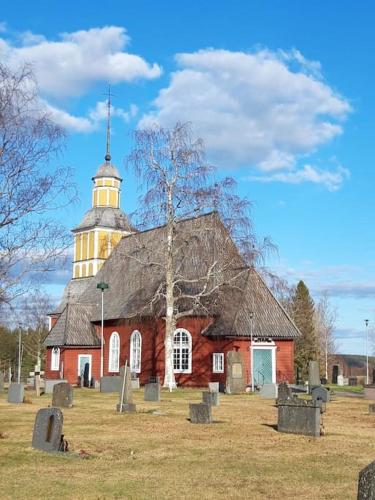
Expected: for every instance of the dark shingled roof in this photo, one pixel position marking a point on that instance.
(72, 291)
(112, 218)
(134, 272)
(73, 327)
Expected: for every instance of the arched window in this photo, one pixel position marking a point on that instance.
(182, 351)
(135, 352)
(114, 352)
(55, 359)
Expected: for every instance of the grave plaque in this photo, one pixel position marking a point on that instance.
(152, 392)
(366, 483)
(15, 393)
(200, 413)
(235, 380)
(211, 398)
(126, 404)
(48, 429)
(62, 395)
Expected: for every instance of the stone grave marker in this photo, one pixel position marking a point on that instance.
(126, 404)
(284, 392)
(110, 384)
(314, 377)
(200, 413)
(340, 380)
(298, 416)
(62, 395)
(1, 382)
(135, 383)
(235, 373)
(152, 392)
(268, 391)
(211, 398)
(366, 483)
(16, 393)
(48, 385)
(320, 393)
(213, 386)
(47, 435)
(353, 381)
(371, 408)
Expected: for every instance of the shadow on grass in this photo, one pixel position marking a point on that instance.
(273, 426)
(213, 422)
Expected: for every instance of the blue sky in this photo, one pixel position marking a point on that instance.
(281, 92)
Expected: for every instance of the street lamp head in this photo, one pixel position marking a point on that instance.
(367, 322)
(102, 286)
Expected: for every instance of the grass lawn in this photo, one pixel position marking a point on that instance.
(164, 456)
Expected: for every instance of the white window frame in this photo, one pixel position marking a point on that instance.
(181, 346)
(135, 352)
(218, 362)
(55, 359)
(114, 353)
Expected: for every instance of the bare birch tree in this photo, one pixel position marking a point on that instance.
(178, 183)
(324, 319)
(31, 187)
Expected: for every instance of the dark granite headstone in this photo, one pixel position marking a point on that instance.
(320, 393)
(366, 483)
(16, 393)
(1, 382)
(284, 392)
(86, 373)
(48, 429)
(299, 416)
(353, 381)
(211, 398)
(335, 373)
(62, 395)
(200, 413)
(235, 373)
(152, 392)
(126, 404)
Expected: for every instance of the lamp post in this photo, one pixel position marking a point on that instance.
(366, 323)
(19, 352)
(102, 286)
(251, 315)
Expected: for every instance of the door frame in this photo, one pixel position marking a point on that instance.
(79, 363)
(272, 347)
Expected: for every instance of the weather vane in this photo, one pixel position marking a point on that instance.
(108, 147)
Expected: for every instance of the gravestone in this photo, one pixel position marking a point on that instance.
(135, 383)
(373, 375)
(268, 391)
(1, 382)
(152, 392)
(47, 435)
(49, 384)
(284, 392)
(314, 377)
(298, 416)
(320, 393)
(86, 373)
(371, 408)
(369, 392)
(235, 373)
(366, 483)
(213, 386)
(62, 395)
(200, 413)
(299, 380)
(126, 404)
(211, 398)
(335, 374)
(16, 393)
(340, 380)
(110, 384)
(352, 381)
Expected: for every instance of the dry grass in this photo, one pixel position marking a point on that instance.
(165, 456)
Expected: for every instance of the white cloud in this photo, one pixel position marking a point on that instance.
(78, 60)
(332, 180)
(253, 109)
(91, 122)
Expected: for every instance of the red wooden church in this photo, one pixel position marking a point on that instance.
(108, 250)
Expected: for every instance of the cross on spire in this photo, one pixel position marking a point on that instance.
(108, 145)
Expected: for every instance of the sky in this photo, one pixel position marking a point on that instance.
(282, 93)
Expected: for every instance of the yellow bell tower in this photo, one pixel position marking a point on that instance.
(104, 224)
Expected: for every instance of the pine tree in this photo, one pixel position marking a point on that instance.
(306, 347)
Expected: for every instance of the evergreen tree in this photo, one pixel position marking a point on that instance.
(307, 346)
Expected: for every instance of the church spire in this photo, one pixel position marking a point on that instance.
(108, 146)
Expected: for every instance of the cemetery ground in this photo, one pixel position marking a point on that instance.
(158, 453)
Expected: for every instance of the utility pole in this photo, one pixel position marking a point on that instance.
(102, 286)
(366, 323)
(251, 315)
(19, 352)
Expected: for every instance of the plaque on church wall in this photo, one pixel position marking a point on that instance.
(237, 370)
